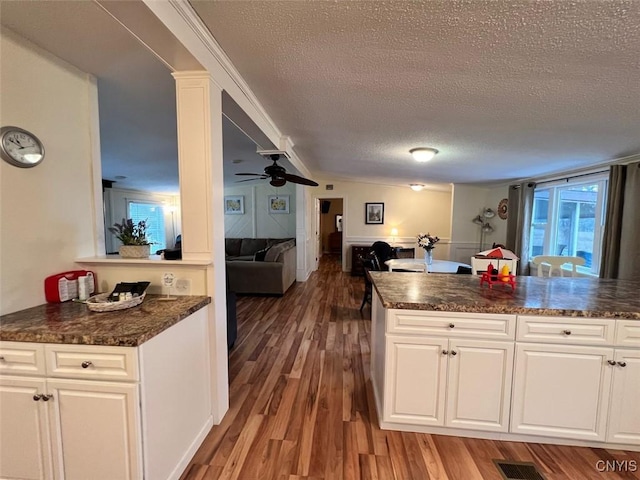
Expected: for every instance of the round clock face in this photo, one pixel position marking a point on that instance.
(20, 148)
(503, 208)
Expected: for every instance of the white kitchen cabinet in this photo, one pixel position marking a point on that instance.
(562, 391)
(416, 380)
(479, 384)
(96, 425)
(25, 451)
(460, 383)
(106, 412)
(624, 415)
(63, 428)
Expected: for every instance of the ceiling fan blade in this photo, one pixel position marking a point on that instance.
(251, 179)
(254, 174)
(297, 179)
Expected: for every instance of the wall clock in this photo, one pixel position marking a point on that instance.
(503, 208)
(20, 147)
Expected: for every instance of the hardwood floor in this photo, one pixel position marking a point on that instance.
(301, 404)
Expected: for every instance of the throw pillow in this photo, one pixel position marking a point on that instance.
(260, 254)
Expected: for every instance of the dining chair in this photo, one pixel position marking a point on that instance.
(556, 262)
(369, 263)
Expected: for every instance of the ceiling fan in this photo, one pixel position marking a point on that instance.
(276, 173)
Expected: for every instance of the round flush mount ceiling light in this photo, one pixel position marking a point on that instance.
(423, 154)
(416, 187)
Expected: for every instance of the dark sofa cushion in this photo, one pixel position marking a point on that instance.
(260, 254)
(232, 246)
(252, 245)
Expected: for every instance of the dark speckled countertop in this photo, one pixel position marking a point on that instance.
(574, 297)
(72, 322)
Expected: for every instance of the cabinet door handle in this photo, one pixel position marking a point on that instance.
(452, 325)
(454, 353)
(611, 362)
(86, 364)
(37, 397)
(46, 397)
(567, 332)
(445, 352)
(622, 364)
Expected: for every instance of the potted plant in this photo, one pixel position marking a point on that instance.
(133, 237)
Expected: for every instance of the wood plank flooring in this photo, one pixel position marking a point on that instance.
(301, 404)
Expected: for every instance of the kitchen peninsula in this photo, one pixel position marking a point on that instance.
(123, 394)
(555, 361)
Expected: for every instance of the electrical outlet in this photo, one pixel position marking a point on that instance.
(183, 286)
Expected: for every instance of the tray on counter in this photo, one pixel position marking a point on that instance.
(101, 303)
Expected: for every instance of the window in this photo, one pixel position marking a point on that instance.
(568, 220)
(153, 213)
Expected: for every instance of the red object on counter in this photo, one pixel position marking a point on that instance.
(62, 287)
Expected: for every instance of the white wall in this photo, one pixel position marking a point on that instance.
(46, 212)
(257, 222)
(408, 211)
(469, 201)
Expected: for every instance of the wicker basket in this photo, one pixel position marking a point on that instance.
(99, 303)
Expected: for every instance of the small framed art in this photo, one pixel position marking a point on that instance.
(278, 203)
(234, 205)
(374, 213)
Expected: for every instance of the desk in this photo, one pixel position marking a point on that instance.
(417, 265)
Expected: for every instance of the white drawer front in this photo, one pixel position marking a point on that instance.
(566, 330)
(628, 333)
(92, 362)
(476, 325)
(22, 358)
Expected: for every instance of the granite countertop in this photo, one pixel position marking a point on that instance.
(73, 322)
(574, 297)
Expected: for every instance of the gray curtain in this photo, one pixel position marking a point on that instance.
(519, 223)
(621, 241)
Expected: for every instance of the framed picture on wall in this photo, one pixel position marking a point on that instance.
(278, 203)
(234, 205)
(374, 213)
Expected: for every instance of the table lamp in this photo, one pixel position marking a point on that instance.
(394, 234)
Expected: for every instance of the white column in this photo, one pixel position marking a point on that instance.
(199, 112)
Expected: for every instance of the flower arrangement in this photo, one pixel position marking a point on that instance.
(427, 242)
(130, 233)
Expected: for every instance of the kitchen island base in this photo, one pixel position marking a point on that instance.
(526, 378)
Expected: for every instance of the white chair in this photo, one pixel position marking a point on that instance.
(481, 264)
(556, 262)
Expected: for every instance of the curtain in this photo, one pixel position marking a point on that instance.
(519, 223)
(621, 242)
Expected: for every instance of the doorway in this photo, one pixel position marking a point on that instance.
(331, 228)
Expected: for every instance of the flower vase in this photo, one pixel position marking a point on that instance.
(428, 258)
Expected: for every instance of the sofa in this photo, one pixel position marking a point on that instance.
(265, 266)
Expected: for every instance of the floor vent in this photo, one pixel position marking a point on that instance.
(518, 470)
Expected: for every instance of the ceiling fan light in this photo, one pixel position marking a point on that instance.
(416, 187)
(277, 182)
(423, 154)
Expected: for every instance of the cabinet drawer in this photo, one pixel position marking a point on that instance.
(92, 362)
(566, 330)
(476, 325)
(22, 358)
(628, 333)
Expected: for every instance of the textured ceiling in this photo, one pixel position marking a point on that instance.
(503, 89)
